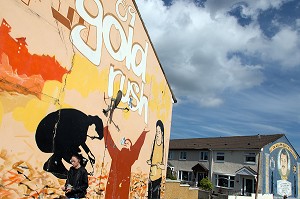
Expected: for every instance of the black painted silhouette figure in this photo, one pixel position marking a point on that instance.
(62, 133)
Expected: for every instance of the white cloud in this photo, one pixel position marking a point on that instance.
(249, 8)
(198, 51)
(283, 48)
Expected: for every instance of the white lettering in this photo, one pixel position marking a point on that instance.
(126, 51)
(132, 90)
(125, 7)
(93, 55)
(141, 68)
(122, 52)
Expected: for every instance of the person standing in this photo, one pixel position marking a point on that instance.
(118, 183)
(156, 162)
(77, 179)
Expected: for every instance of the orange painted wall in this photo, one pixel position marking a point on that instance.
(62, 64)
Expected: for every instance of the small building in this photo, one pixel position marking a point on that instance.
(238, 165)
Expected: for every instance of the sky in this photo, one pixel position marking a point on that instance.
(234, 66)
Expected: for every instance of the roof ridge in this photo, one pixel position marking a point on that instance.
(231, 142)
(277, 134)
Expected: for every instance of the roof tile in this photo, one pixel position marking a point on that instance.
(233, 142)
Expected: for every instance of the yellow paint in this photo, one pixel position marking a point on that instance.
(10, 102)
(160, 101)
(14, 103)
(52, 95)
(126, 115)
(29, 117)
(52, 91)
(85, 77)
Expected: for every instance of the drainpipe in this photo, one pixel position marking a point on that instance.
(210, 164)
(258, 170)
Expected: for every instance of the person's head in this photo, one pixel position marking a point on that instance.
(76, 160)
(127, 144)
(159, 136)
(284, 162)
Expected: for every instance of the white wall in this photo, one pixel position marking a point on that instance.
(259, 196)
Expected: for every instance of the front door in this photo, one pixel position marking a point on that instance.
(248, 186)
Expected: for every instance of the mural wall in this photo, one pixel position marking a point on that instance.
(80, 77)
(281, 169)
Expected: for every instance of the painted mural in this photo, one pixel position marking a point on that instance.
(81, 77)
(282, 169)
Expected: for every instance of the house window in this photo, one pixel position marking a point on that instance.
(182, 155)
(203, 156)
(250, 158)
(171, 155)
(185, 175)
(220, 157)
(224, 181)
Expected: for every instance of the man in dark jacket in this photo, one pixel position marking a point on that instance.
(77, 180)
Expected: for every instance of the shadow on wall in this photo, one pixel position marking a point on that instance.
(62, 133)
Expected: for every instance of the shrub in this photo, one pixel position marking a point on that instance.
(206, 184)
(170, 174)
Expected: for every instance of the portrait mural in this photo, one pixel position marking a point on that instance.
(81, 79)
(284, 164)
(283, 176)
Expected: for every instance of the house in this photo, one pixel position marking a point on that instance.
(238, 165)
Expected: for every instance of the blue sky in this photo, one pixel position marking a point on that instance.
(234, 66)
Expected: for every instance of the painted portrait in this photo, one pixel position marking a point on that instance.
(284, 164)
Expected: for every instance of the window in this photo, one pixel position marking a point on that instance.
(203, 156)
(250, 157)
(171, 155)
(224, 181)
(182, 155)
(220, 157)
(185, 175)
